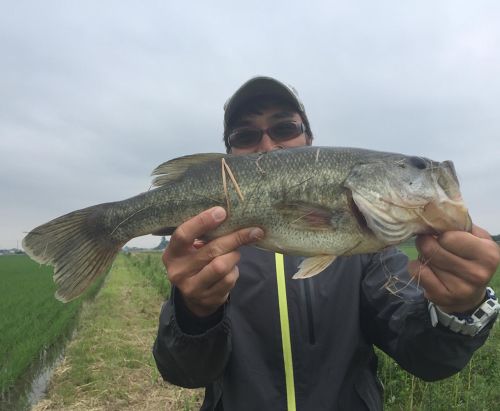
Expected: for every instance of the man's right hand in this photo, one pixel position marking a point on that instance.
(205, 273)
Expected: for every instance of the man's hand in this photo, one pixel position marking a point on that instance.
(205, 273)
(455, 268)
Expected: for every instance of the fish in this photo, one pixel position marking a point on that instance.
(316, 202)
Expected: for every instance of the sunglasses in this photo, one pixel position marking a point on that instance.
(246, 137)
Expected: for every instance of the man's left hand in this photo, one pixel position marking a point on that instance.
(455, 267)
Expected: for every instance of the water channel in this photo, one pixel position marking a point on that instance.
(32, 386)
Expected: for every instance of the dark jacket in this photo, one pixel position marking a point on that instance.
(335, 319)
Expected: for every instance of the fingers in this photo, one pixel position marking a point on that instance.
(434, 255)
(208, 289)
(480, 232)
(445, 289)
(204, 301)
(194, 261)
(185, 235)
(472, 258)
(221, 288)
(463, 244)
(204, 273)
(228, 243)
(477, 247)
(217, 269)
(426, 278)
(455, 267)
(198, 244)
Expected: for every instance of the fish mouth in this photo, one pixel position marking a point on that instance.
(393, 223)
(446, 216)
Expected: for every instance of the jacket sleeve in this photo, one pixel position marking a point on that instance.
(189, 351)
(395, 318)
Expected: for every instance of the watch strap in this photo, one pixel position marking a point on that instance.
(468, 324)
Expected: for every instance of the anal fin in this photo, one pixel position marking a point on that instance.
(313, 265)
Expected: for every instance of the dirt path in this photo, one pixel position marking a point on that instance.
(108, 365)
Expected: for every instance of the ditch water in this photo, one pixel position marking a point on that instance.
(32, 385)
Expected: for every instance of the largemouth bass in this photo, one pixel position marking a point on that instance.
(318, 202)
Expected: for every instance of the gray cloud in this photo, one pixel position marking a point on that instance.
(95, 95)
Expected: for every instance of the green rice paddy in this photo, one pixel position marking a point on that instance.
(32, 321)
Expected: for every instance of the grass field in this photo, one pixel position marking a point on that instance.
(109, 365)
(477, 387)
(31, 319)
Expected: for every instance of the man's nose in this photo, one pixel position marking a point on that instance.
(268, 144)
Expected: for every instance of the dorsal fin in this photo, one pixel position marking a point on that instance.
(174, 169)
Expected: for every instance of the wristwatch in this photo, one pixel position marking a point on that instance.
(467, 324)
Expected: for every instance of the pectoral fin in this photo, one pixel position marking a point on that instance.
(307, 216)
(313, 265)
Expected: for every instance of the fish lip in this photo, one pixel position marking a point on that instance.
(451, 216)
(451, 167)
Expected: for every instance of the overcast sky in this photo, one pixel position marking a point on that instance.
(94, 94)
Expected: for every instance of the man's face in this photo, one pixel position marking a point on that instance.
(265, 119)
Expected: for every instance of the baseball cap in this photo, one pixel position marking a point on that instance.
(263, 86)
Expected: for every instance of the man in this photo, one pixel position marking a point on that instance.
(279, 343)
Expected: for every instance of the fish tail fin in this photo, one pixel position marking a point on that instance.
(77, 245)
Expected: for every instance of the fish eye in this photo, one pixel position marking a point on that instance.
(418, 162)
